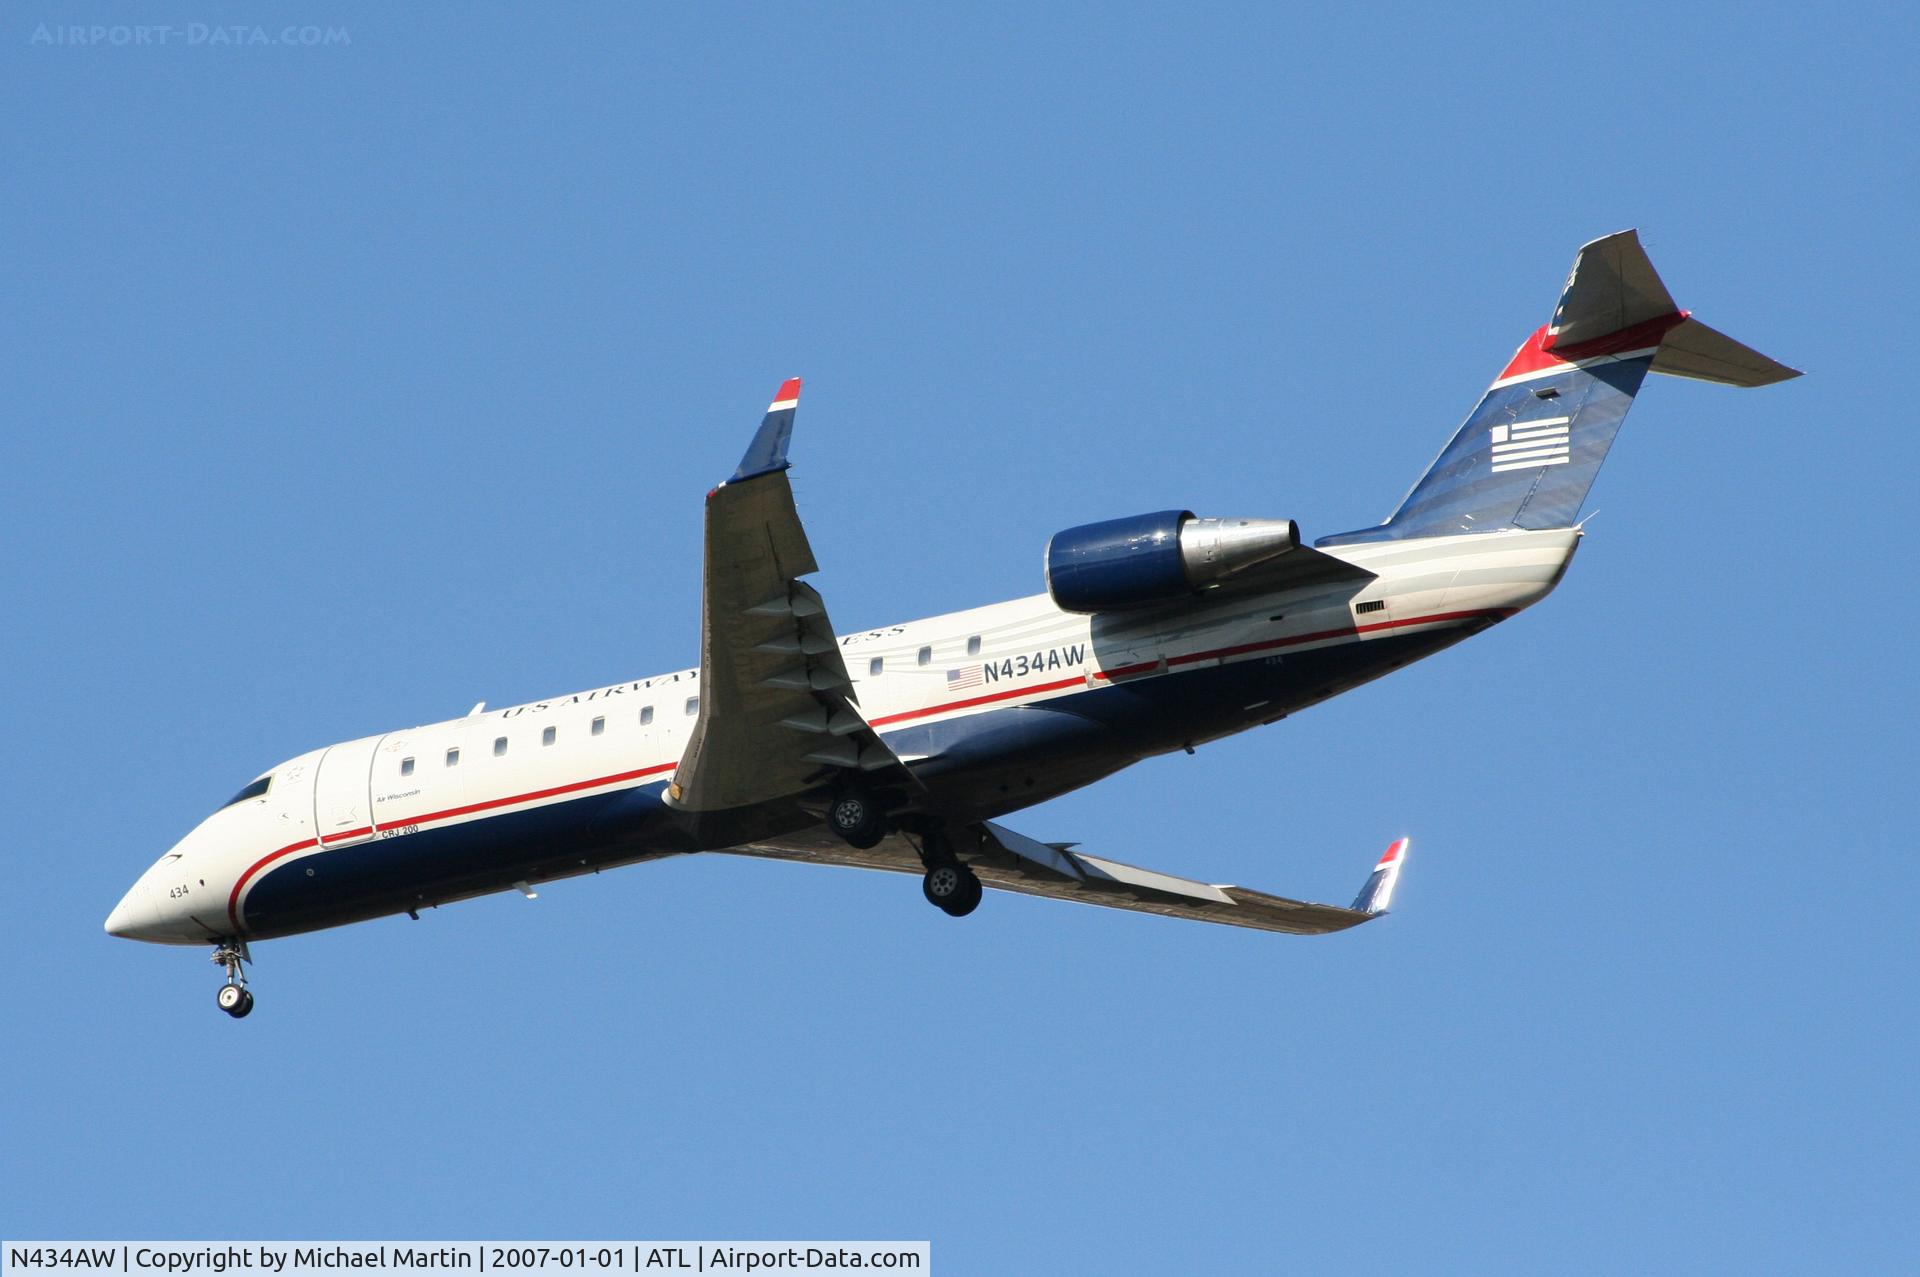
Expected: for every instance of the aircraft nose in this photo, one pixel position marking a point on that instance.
(135, 915)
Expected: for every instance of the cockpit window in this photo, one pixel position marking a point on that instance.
(254, 790)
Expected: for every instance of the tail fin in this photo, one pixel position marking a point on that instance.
(1529, 452)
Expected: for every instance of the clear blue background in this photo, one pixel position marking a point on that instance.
(346, 386)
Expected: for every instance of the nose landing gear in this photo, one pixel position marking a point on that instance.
(234, 997)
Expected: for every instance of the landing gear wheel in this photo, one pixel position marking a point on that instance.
(953, 889)
(857, 820)
(234, 997)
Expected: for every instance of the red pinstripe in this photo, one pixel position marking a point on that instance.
(1141, 667)
(233, 898)
(1032, 689)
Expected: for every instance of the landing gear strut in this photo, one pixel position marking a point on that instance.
(234, 997)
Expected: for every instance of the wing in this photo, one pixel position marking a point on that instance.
(777, 714)
(1008, 861)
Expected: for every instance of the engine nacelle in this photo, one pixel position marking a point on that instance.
(1157, 558)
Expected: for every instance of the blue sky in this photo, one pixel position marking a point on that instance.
(346, 386)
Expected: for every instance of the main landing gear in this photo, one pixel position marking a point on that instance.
(949, 886)
(857, 819)
(234, 997)
(952, 888)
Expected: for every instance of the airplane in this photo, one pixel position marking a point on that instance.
(902, 748)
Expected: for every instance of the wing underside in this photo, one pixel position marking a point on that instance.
(1008, 861)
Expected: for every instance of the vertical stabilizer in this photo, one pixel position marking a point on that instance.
(1530, 450)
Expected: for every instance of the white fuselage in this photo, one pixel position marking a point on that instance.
(479, 783)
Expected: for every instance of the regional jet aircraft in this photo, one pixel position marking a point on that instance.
(903, 748)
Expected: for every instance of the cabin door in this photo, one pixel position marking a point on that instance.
(342, 793)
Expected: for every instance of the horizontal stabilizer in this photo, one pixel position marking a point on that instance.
(1706, 354)
(1614, 294)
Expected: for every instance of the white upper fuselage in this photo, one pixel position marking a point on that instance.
(467, 771)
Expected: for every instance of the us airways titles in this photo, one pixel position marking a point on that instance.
(683, 679)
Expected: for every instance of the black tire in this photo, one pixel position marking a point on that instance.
(246, 1005)
(953, 889)
(234, 1000)
(856, 820)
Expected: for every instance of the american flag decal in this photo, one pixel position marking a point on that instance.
(958, 680)
(1522, 445)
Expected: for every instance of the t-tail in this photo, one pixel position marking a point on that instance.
(1528, 453)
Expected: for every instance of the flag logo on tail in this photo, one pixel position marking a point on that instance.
(1521, 445)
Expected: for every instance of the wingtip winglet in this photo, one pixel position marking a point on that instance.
(1377, 895)
(767, 454)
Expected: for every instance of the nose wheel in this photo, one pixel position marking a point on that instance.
(234, 997)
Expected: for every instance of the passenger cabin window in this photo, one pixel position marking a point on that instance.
(453, 757)
(926, 656)
(875, 665)
(646, 715)
(257, 789)
(546, 737)
(499, 746)
(973, 645)
(693, 705)
(599, 725)
(406, 767)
